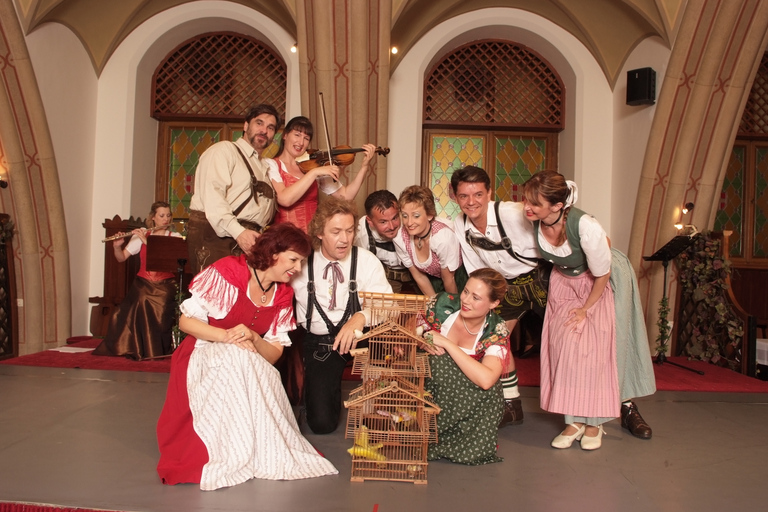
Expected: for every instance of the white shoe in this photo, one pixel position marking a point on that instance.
(593, 443)
(563, 441)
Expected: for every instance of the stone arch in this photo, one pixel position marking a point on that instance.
(33, 198)
(710, 72)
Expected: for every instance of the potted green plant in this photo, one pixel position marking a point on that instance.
(715, 333)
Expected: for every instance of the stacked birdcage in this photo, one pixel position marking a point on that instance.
(391, 418)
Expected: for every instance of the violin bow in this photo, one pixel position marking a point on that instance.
(325, 126)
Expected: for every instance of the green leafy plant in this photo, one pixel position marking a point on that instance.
(662, 340)
(715, 333)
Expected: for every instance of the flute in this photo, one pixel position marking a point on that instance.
(125, 235)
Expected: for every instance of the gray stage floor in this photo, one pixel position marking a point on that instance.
(86, 438)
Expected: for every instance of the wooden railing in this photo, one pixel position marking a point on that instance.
(748, 342)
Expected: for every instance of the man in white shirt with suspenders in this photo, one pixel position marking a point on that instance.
(328, 307)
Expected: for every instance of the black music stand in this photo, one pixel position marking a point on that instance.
(168, 254)
(670, 250)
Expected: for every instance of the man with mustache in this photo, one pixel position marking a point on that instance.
(375, 232)
(328, 307)
(233, 198)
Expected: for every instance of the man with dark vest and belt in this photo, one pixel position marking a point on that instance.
(328, 307)
(233, 198)
(496, 234)
(375, 232)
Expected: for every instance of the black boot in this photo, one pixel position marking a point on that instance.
(513, 412)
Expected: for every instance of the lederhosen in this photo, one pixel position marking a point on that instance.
(396, 277)
(525, 292)
(205, 246)
(324, 367)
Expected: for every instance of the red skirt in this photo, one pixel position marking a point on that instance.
(182, 452)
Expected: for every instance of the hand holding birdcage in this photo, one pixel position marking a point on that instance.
(433, 343)
(346, 340)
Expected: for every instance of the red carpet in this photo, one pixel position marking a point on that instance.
(28, 507)
(87, 361)
(668, 377)
(671, 378)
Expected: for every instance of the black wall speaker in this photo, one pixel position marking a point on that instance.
(641, 86)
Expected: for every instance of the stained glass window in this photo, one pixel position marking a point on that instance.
(744, 198)
(450, 152)
(515, 159)
(187, 144)
(494, 104)
(744, 202)
(731, 208)
(760, 229)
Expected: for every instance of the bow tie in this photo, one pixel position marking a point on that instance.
(338, 277)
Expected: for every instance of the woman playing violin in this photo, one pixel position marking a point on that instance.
(297, 191)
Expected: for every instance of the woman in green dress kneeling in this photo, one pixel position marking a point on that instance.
(469, 347)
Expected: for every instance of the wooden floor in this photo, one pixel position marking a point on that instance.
(86, 438)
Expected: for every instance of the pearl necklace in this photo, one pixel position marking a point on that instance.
(467, 328)
(265, 292)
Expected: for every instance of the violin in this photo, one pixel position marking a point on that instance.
(340, 155)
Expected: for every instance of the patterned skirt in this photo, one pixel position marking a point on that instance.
(578, 365)
(226, 419)
(467, 426)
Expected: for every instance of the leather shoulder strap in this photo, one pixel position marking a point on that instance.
(505, 241)
(310, 288)
(371, 243)
(237, 210)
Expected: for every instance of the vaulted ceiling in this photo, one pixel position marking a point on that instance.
(610, 29)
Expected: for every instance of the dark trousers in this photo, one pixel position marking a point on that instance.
(323, 371)
(204, 245)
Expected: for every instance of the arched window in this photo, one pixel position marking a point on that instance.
(494, 104)
(744, 196)
(200, 93)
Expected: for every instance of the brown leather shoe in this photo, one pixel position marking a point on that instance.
(513, 413)
(632, 421)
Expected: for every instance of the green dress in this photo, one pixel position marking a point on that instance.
(467, 426)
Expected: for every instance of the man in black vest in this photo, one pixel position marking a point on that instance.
(375, 232)
(327, 306)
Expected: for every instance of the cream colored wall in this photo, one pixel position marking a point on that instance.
(104, 139)
(68, 87)
(632, 126)
(585, 148)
